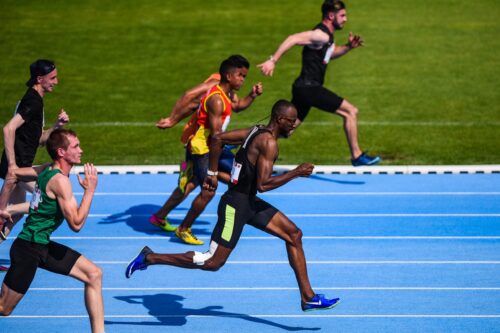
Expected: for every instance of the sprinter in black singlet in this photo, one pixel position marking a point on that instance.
(252, 172)
(307, 90)
(23, 134)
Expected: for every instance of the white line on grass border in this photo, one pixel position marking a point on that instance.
(308, 123)
(318, 169)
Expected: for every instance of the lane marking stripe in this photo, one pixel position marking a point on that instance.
(222, 315)
(121, 215)
(311, 194)
(277, 239)
(278, 289)
(347, 262)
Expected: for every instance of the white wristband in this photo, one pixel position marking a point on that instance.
(212, 173)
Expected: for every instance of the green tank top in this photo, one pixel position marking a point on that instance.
(45, 215)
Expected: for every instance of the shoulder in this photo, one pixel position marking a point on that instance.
(320, 35)
(59, 184)
(266, 140)
(31, 102)
(215, 100)
(32, 97)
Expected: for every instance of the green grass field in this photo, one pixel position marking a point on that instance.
(426, 83)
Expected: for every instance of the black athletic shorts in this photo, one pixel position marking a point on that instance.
(4, 165)
(200, 167)
(235, 210)
(305, 97)
(26, 257)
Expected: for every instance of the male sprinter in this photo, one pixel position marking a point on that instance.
(213, 116)
(24, 133)
(252, 172)
(51, 203)
(308, 90)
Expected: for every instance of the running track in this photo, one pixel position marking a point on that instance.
(405, 253)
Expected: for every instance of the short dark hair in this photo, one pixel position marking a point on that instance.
(58, 139)
(40, 67)
(280, 108)
(331, 6)
(234, 61)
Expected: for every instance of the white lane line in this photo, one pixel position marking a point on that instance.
(121, 215)
(278, 289)
(346, 262)
(277, 239)
(312, 194)
(225, 315)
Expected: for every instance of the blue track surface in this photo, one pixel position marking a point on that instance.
(405, 253)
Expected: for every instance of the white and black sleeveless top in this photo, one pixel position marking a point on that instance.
(244, 173)
(315, 61)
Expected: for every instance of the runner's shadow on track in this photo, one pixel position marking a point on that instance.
(169, 311)
(137, 218)
(345, 182)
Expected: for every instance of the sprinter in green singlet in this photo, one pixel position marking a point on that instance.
(51, 203)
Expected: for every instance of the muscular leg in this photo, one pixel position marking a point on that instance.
(350, 115)
(91, 275)
(199, 203)
(175, 199)
(185, 260)
(285, 229)
(8, 300)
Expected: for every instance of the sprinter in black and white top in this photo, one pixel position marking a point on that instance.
(307, 90)
(252, 172)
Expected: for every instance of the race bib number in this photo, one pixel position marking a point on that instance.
(235, 172)
(36, 198)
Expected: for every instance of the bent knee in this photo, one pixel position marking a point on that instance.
(4, 311)
(95, 275)
(212, 265)
(352, 112)
(296, 236)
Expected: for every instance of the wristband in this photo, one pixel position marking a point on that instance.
(212, 173)
(272, 59)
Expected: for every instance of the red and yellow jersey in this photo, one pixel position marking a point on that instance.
(191, 126)
(200, 141)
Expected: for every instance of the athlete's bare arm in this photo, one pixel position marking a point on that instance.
(241, 104)
(15, 175)
(354, 41)
(62, 119)
(9, 134)
(315, 38)
(59, 187)
(264, 151)
(235, 137)
(186, 104)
